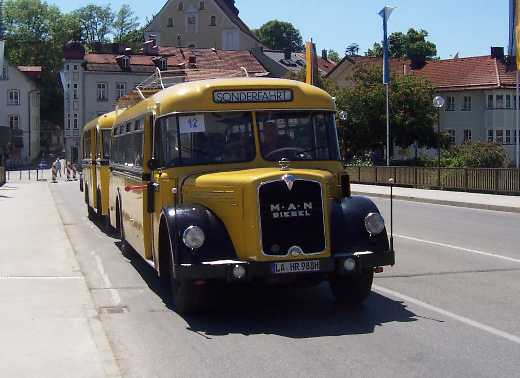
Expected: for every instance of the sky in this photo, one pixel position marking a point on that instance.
(467, 27)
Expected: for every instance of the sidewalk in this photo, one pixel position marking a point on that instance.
(460, 199)
(49, 324)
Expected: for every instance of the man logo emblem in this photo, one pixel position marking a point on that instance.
(295, 251)
(289, 181)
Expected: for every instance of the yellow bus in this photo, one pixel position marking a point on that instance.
(239, 180)
(96, 141)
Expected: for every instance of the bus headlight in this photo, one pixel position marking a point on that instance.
(374, 223)
(193, 237)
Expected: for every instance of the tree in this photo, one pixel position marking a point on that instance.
(124, 24)
(280, 35)
(35, 33)
(96, 23)
(412, 114)
(333, 56)
(476, 155)
(412, 45)
(352, 49)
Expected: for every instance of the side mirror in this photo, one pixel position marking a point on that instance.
(153, 164)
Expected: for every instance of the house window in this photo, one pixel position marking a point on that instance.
(3, 74)
(490, 102)
(213, 21)
(499, 102)
(508, 101)
(180, 6)
(490, 136)
(75, 106)
(68, 121)
(14, 121)
(508, 136)
(450, 104)
(191, 24)
(75, 92)
(451, 134)
(75, 67)
(75, 120)
(499, 136)
(67, 67)
(120, 90)
(467, 103)
(13, 97)
(170, 22)
(102, 92)
(467, 135)
(201, 5)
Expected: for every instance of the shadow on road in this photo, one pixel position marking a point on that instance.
(290, 312)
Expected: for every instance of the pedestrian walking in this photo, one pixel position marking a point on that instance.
(58, 166)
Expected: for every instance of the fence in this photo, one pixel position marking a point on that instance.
(487, 180)
(26, 175)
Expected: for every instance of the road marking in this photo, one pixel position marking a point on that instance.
(511, 259)
(114, 293)
(462, 319)
(41, 278)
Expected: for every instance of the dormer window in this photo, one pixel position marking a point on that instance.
(170, 22)
(180, 7)
(161, 63)
(124, 62)
(201, 5)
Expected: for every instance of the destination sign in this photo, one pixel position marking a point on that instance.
(252, 95)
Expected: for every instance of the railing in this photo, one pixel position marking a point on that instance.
(25, 175)
(484, 180)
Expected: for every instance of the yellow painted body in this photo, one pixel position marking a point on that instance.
(96, 175)
(229, 190)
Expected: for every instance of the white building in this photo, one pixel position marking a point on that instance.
(20, 111)
(479, 92)
(201, 24)
(94, 82)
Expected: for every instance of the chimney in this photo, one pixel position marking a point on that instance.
(497, 52)
(324, 54)
(287, 54)
(128, 51)
(148, 47)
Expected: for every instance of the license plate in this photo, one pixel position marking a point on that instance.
(296, 267)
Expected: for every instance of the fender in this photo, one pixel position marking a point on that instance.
(348, 232)
(217, 246)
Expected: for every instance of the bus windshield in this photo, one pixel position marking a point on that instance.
(205, 138)
(302, 135)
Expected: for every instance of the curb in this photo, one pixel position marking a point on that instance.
(469, 205)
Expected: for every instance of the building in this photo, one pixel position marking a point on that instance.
(20, 111)
(94, 82)
(201, 24)
(282, 63)
(479, 92)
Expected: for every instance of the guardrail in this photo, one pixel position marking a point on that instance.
(484, 180)
(26, 175)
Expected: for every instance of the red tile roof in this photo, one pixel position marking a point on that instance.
(32, 72)
(478, 72)
(177, 57)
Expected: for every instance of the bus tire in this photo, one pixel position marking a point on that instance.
(351, 290)
(181, 293)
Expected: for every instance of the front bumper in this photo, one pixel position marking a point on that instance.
(222, 270)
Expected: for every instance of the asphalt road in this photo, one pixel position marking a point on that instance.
(449, 308)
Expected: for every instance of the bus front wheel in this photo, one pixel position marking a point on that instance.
(351, 290)
(182, 293)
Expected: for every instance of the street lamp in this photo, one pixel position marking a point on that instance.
(438, 103)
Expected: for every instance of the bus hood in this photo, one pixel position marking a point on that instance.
(236, 198)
